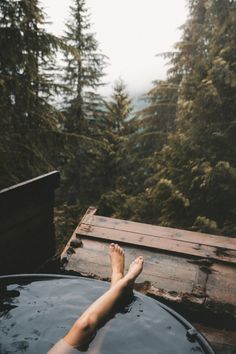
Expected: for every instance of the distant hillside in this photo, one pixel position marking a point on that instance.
(139, 103)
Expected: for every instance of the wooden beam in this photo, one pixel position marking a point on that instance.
(163, 232)
(154, 242)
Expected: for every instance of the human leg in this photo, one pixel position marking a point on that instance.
(84, 329)
(117, 258)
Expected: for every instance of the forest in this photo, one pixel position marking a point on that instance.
(172, 163)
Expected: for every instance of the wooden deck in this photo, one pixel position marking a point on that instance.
(192, 271)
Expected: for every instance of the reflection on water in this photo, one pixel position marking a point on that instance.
(36, 314)
(6, 300)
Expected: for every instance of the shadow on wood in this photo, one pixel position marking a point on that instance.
(27, 236)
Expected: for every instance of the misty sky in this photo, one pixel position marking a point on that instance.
(130, 33)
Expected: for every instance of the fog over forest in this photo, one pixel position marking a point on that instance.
(130, 34)
(172, 162)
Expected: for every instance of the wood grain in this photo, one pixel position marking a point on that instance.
(155, 242)
(164, 232)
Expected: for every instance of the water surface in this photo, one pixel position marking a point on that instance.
(37, 312)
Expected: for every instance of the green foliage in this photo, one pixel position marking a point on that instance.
(198, 161)
(83, 70)
(119, 109)
(83, 111)
(28, 120)
(156, 121)
(206, 225)
(173, 163)
(117, 166)
(184, 143)
(66, 218)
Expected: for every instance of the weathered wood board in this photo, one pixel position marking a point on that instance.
(223, 341)
(179, 265)
(27, 237)
(183, 268)
(156, 237)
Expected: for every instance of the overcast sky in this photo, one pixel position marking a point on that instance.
(130, 33)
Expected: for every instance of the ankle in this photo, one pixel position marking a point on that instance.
(117, 274)
(128, 279)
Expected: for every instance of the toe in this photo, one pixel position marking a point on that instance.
(140, 260)
(112, 246)
(122, 250)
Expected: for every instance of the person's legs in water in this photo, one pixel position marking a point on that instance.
(85, 328)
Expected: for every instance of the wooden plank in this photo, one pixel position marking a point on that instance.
(199, 286)
(88, 216)
(27, 233)
(164, 232)
(20, 234)
(33, 191)
(177, 270)
(167, 272)
(25, 214)
(172, 277)
(221, 287)
(155, 242)
(26, 256)
(223, 341)
(51, 179)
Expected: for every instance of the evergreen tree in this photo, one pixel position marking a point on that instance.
(153, 124)
(190, 183)
(83, 69)
(195, 173)
(156, 120)
(83, 110)
(119, 109)
(144, 136)
(28, 121)
(118, 163)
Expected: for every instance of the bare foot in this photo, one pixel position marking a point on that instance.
(135, 269)
(117, 256)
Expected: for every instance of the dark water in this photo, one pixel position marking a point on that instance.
(37, 313)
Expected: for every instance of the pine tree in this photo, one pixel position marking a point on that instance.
(191, 182)
(28, 121)
(156, 120)
(144, 135)
(195, 174)
(83, 68)
(83, 109)
(118, 162)
(119, 109)
(153, 124)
